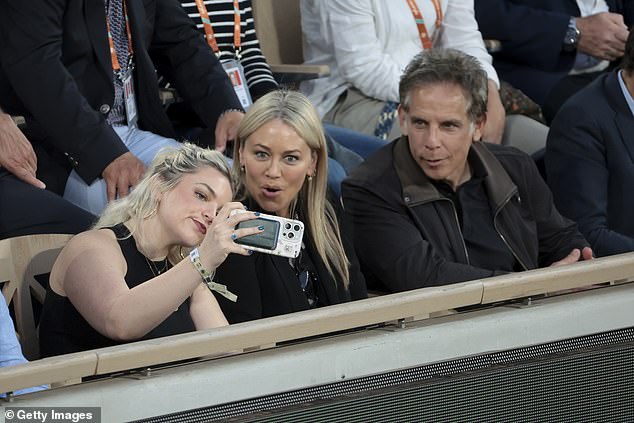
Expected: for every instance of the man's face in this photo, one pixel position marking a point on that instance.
(440, 131)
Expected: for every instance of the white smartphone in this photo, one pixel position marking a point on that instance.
(281, 236)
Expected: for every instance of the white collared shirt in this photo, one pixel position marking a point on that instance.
(592, 7)
(585, 63)
(626, 93)
(368, 43)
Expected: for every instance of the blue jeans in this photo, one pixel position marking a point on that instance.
(336, 175)
(346, 150)
(10, 351)
(144, 145)
(362, 144)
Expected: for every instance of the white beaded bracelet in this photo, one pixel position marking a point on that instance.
(194, 257)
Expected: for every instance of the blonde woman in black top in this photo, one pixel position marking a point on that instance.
(129, 278)
(281, 164)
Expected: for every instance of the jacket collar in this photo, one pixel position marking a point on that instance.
(417, 188)
(95, 15)
(614, 94)
(623, 115)
(415, 185)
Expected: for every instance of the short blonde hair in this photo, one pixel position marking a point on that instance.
(165, 172)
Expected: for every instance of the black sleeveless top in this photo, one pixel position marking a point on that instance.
(268, 285)
(63, 330)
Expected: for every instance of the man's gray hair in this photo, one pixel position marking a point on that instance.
(445, 65)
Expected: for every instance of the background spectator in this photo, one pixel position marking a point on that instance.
(368, 43)
(590, 158)
(59, 74)
(10, 351)
(552, 48)
(228, 23)
(27, 208)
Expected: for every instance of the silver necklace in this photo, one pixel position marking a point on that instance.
(154, 268)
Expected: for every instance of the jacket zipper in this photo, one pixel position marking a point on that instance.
(455, 215)
(495, 225)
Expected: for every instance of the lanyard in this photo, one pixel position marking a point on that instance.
(113, 54)
(420, 23)
(209, 31)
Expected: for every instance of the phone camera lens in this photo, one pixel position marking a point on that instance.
(296, 228)
(287, 226)
(291, 235)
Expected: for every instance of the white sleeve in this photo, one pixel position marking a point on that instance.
(460, 31)
(358, 52)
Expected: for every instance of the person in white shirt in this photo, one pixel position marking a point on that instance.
(368, 43)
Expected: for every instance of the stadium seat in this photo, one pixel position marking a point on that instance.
(21, 259)
(278, 24)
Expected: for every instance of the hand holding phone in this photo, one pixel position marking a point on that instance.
(281, 236)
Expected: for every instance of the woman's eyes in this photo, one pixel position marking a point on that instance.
(262, 155)
(200, 195)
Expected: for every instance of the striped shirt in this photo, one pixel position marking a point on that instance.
(257, 72)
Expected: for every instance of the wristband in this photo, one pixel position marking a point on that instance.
(207, 277)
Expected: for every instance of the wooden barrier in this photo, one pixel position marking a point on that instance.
(400, 307)
(549, 280)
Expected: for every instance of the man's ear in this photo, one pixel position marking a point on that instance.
(402, 120)
(478, 127)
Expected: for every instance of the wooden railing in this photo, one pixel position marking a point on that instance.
(401, 307)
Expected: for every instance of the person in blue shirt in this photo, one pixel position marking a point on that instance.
(10, 351)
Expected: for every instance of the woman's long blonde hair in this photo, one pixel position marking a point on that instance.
(165, 172)
(296, 111)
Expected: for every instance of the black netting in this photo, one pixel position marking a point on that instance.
(581, 379)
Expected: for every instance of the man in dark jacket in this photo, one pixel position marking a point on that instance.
(590, 149)
(552, 48)
(82, 74)
(26, 207)
(437, 206)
